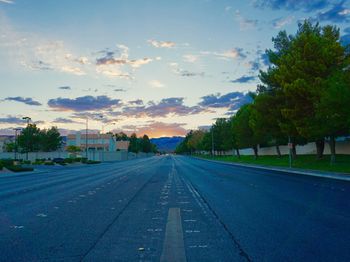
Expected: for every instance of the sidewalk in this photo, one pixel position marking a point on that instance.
(316, 173)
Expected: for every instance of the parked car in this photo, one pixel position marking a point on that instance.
(58, 160)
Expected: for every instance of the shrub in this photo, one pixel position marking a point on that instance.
(1, 166)
(26, 162)
(49, 163)
(92, 162)
(68, 160)
(19, 168)
(6, 162)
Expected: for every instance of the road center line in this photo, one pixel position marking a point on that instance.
(173, 247)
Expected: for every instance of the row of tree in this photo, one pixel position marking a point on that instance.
(304, 97)
(137, 144)
(33, 139)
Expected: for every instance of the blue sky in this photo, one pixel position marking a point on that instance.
(156, 67)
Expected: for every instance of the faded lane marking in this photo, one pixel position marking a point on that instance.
(173, 247)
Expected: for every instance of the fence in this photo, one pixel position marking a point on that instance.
(342, 147)
(92, 155)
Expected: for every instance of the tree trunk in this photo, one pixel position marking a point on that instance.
(294, 151)
(278, 151)
(332, 146)
(238, 154)
(319, 148)
(255, 148)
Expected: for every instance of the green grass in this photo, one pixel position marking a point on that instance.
(342, 163)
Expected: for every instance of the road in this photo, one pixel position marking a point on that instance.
(172, 208)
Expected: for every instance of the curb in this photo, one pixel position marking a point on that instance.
(337, 176)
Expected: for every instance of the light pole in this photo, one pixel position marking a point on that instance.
(16, 142)
(27, 140)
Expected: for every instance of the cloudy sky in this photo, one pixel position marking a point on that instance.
(150, 66)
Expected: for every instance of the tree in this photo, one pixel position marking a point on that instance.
(121, 136)
(29, 139)
(146, 145)
(194, 141)
(73, 149)
(265, 118)
(10, 147)
(134, 145)
(302, 67)
(50, 139)
(244, 133)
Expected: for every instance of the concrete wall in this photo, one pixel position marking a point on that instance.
(342, 147)
(92, 155)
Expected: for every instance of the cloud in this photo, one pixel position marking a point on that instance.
(119, 90)
(162, 44)
(112, 63)
(185, 73)
(83, 103)
(7, 1)
(337, 14)
(190, 58)
(25, 100)
(244, 23)
(282, 21)
(136, 102)
(64, 87)
(233, 53)
(12, 120)
(62, 120)
(155, 84)
(233, 101)
(163, 108)
(305, 5)
(156, 129)
(243, 79)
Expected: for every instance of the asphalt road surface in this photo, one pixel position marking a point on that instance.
(172, 208)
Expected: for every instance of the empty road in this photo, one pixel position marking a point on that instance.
(172, 208)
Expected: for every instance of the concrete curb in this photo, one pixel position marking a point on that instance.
(331, 175)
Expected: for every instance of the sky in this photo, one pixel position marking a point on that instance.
(147, 66)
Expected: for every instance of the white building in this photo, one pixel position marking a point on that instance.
(96, 142)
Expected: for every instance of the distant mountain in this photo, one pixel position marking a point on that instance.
(167, 144)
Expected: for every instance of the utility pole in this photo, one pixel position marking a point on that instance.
(27, 140)
(16, 142)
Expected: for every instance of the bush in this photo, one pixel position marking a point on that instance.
(6, 162)
(68, 160)
(1, 166)
(19, 168)
(38, 163)
(92, 162)
(26, 162)
(49, 163)
(84, 160)
(78, 159)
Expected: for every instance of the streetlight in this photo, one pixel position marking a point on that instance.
(16, 142)
(27, 140)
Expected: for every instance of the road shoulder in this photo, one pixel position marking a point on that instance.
(315, 173)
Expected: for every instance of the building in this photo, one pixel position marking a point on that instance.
(123, 145)
(94, 142)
